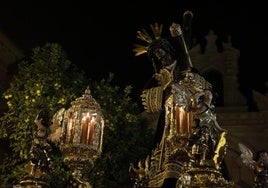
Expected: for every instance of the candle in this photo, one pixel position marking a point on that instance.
(91, 132)
(84, 123)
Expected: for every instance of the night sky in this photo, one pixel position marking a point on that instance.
(99, 36)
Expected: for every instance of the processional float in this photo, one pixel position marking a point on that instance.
(192, 145)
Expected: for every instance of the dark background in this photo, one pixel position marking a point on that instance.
(99, 36)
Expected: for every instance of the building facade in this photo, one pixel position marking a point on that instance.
(247, 127)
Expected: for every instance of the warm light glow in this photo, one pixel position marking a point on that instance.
(88, 123)
(183, 120)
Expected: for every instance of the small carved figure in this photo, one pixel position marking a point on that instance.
(140, 173)
(259, 165)
(40, 163)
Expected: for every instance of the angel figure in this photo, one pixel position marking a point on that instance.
(259, 164)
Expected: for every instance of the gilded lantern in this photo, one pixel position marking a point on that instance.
(82, 133)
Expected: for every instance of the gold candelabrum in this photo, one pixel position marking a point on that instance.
(79, 130)
(82, 136)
